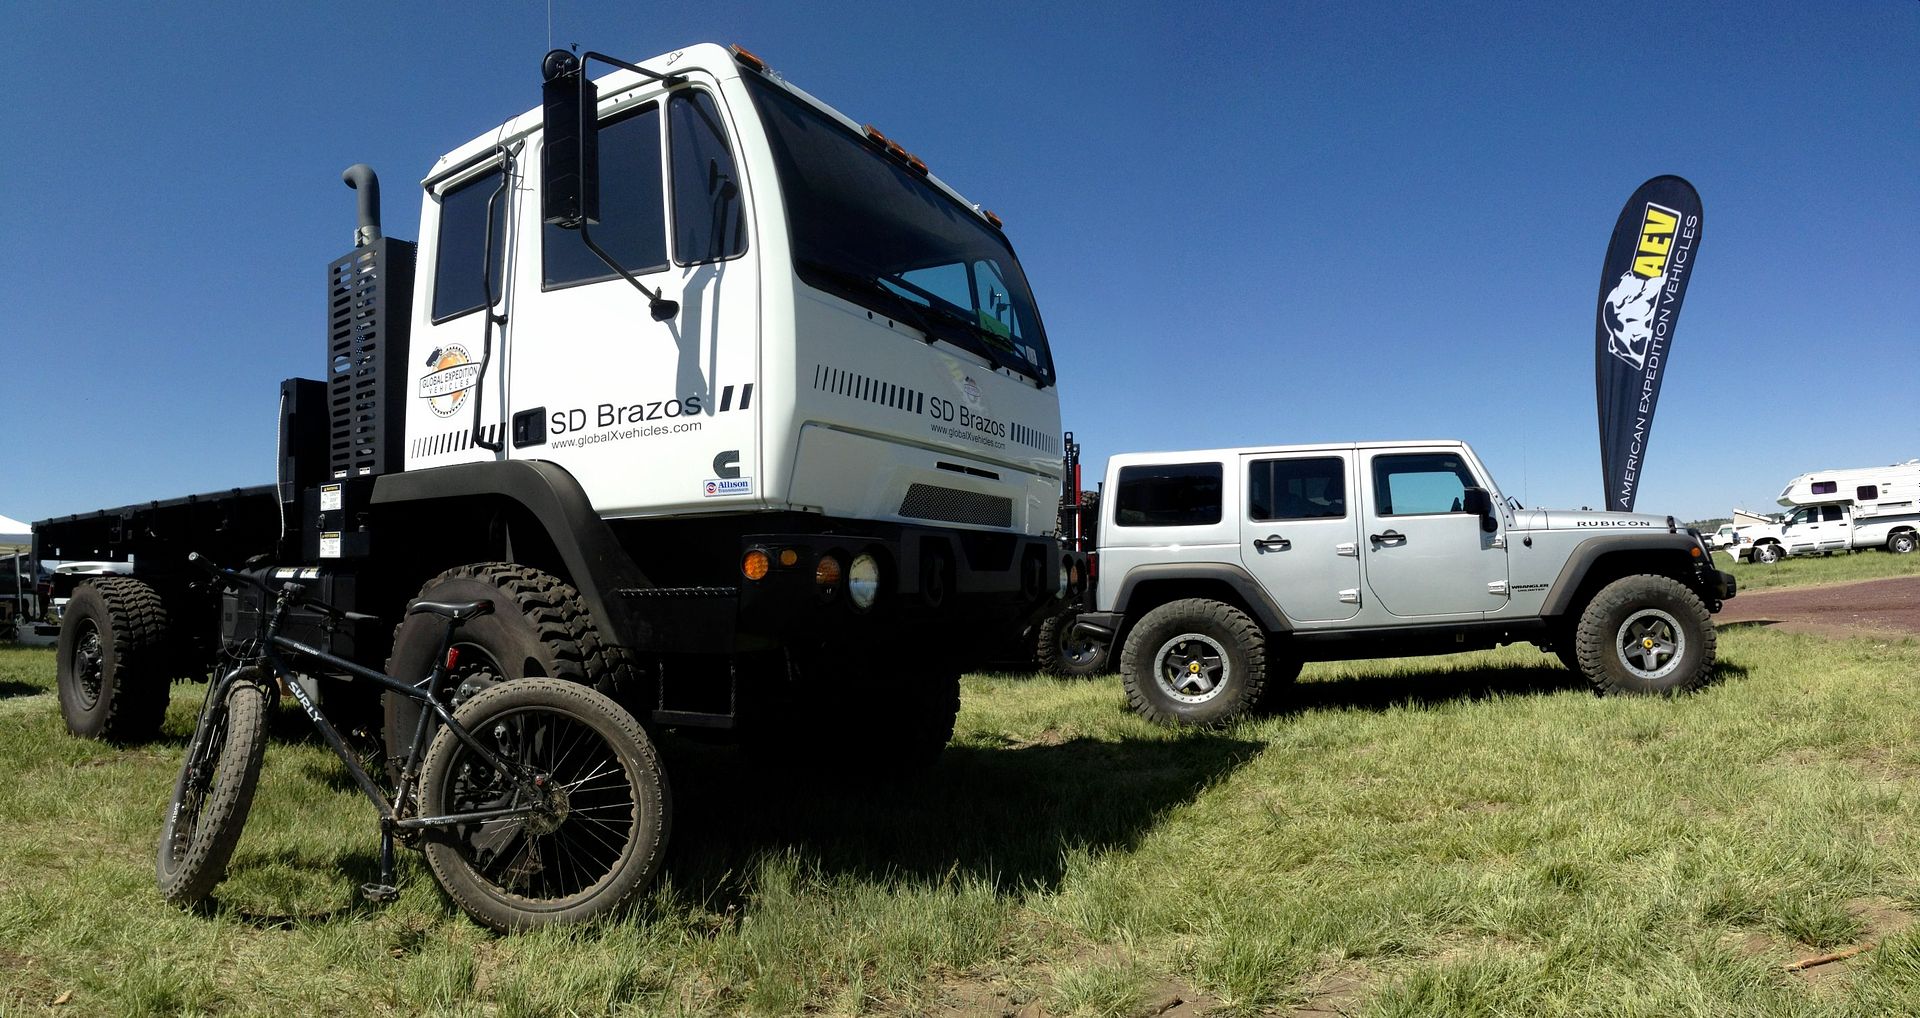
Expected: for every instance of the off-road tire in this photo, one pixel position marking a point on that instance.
(193, 860)
(540, 627)
(584, 732)
(861, 722)
(1902, 543)
(1668, 611)
(1206, 631)
(1283, 670)
(114, 670)
(1058, 652)
(1767, 553)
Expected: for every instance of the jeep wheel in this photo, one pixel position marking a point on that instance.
(1646, 634)
(1058, 650)
(1901, 543)
(112, 670)
(1768, 552)
(1194, 662)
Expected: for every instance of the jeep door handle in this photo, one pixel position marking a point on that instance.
(1389, 537)
(1274, 542)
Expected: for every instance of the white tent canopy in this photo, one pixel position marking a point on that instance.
(15, 536)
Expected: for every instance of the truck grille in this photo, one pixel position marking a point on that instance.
(951, 505)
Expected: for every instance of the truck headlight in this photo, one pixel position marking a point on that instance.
(863, 581)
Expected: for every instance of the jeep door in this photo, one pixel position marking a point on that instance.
(1299, 532)
(1426, 556)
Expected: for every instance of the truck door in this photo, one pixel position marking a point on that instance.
(1836, 530)
(455, 405)
(1425, 555)
(1299, 532)
(650, 416)
(1802, 533)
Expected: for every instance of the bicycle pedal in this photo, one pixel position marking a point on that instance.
(379, 894)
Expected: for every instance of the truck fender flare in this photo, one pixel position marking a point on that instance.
(1589, 551)
(596, 563)
(1265, 611)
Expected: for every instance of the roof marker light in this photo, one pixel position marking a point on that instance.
(746, 57)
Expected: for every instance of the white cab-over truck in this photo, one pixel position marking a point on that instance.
(1854, 509)
(1220, 571)
(728, 404)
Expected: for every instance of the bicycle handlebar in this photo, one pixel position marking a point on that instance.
(294, 592)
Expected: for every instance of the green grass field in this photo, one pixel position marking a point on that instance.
(1476, 835)
(1815, 571)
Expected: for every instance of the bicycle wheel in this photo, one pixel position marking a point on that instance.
(214, 791)
(590, 850)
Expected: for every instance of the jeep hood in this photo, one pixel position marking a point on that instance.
(1588, 519)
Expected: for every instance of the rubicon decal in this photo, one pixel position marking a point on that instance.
(453, 375)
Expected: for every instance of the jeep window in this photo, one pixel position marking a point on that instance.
(1169, 495)
(459, 264)
(1414, 484)
(1297, 489)
(633, 216)
(1867, 492)
(870, 229)
(707, 224)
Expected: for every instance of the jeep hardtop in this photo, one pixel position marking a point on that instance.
(1220, 571)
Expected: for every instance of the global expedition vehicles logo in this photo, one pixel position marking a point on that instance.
(451, 376)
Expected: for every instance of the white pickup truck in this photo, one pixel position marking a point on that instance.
(1825, 529)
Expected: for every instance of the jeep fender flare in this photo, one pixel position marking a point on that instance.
(1578, 565)
(1257, 600)
(594, 560)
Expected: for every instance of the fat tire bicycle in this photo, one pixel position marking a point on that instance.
(537, 801)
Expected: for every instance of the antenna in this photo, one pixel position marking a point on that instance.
(549, 24)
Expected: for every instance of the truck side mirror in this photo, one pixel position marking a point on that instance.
(1479, 503)
(570, 156)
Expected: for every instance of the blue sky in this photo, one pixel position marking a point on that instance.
(1244, 223)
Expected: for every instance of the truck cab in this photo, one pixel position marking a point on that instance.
(1227, 568)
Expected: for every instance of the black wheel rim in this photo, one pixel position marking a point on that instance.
(577, 826)
(1192, 667)
(1074, 650)
(87, 665)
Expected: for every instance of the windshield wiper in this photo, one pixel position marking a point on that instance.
(997, 349)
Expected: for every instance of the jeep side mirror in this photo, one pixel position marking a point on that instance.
(1479, 503)
(570, 154)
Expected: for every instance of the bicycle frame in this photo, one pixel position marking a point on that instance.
(426, 692)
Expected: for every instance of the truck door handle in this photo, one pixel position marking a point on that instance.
(1389, 537)
(1274, 542)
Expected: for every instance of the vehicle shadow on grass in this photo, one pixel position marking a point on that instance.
(1439, 686)
(9, 687)
(1006, 816)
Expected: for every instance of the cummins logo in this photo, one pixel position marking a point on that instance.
(1629, 308)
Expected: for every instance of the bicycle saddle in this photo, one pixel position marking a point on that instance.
(458, 611)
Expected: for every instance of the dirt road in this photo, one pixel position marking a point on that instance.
(1870, 607)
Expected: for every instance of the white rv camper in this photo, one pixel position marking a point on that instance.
(1842, 510)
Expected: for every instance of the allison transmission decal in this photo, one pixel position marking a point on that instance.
(1642, 283)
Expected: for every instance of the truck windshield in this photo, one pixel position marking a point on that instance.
(867, 228)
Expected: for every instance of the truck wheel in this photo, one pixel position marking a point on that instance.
(1646, 634)
(1059, 651)
(1901, 543)
(540, 626)
(1768, 552)
(112, 670)
(862, 721)
(1194, 662)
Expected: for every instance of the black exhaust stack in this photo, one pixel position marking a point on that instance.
(369, 301)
